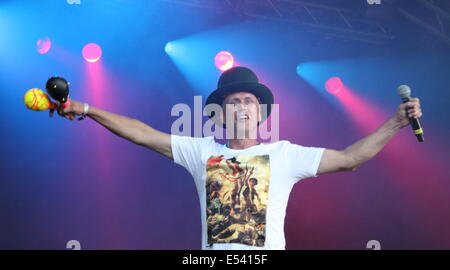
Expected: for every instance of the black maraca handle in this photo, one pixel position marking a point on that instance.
(58, 88)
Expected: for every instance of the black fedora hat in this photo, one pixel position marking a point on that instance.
(241, 79)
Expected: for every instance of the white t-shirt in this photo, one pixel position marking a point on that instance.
(244, 193)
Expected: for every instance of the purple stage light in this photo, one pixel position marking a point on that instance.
(92, 52)
(224, 60)
(334, 85)
(43, 45)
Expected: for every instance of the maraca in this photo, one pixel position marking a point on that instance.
(58, 89)
(35, 99)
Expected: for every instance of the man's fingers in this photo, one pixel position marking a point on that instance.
(63, 111)
(66, 110)
(406, 106)
(411, 111)
(415, 113)
(410, 106)
(414, 110)
(413, 101)
(416, 107)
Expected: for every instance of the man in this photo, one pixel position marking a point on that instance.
(227, 221)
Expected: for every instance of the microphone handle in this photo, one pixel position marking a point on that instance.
(415, 124)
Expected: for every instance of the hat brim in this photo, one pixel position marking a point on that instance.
(260, 91)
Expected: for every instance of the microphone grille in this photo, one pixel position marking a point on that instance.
(404, 91)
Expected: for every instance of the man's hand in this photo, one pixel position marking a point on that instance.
(69, 112)
(363, 150)
(408, 109)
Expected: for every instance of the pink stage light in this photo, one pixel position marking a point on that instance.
(224, 60)
(92, 52)
(334, 85)
(368, 117)
(43, 45)
(365, 114)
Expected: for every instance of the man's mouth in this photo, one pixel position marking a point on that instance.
(243, 117)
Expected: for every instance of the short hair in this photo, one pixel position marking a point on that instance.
(254, 180)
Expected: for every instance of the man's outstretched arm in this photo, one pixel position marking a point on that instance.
(127, 128)
(363, 150)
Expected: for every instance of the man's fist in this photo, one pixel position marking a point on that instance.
(408, 109)
(70, 111)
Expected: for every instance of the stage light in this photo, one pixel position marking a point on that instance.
(43, 45)
(92, 52)
(334, 85)
(224, 60)
(299, 70)
(168, 48)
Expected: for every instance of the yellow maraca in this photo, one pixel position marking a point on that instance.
(35, 99)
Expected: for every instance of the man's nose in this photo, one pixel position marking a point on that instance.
(241, 107)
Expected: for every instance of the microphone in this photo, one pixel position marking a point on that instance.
(405, 93)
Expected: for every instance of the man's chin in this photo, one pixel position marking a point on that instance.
(242, 132)
(245, 128)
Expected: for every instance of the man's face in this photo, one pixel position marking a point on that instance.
(244, 109)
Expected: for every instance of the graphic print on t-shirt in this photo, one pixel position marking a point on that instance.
(236, 199)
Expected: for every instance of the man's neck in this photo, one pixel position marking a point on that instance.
(241, 143)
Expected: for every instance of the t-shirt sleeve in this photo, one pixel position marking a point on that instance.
(187, 152)
(304, 161)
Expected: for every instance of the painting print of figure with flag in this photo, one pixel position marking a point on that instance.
(236, 199)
